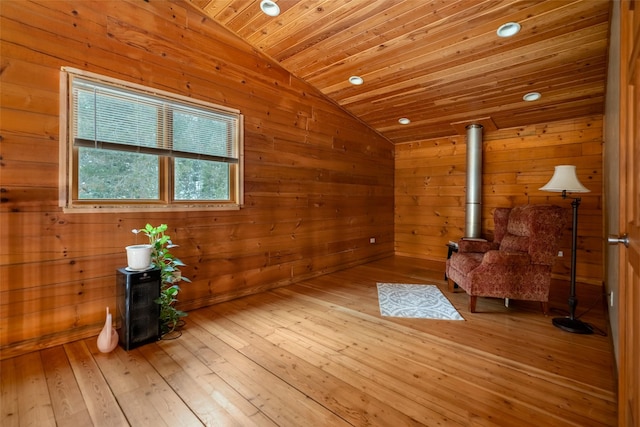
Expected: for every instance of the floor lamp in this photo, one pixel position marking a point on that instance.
(565, 180)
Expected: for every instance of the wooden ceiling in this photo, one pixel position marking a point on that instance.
(437, 63)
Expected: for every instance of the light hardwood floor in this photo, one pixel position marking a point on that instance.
(318, 353)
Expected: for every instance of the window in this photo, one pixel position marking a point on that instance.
(125, 146)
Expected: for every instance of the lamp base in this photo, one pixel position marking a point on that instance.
(572, 325)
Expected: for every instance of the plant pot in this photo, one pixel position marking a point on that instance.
(139, 257)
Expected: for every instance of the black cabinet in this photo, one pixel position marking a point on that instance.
(138, 315)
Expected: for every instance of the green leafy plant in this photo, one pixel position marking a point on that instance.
(169, 265)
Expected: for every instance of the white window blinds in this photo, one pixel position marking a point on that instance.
(119, 118)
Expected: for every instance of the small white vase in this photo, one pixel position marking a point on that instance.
(139, 257)
(108, 337)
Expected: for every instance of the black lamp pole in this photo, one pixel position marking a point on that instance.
(571, 324)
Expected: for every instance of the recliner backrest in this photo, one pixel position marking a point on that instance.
(535, 229)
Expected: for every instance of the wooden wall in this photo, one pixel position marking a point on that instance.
(431, 176)
(318, 184)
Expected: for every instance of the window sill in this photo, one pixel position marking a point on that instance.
(150, 208)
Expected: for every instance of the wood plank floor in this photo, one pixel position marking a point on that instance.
(318, 353)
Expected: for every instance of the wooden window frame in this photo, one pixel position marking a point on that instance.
(69, 162)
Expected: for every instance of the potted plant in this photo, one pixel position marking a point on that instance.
(169, 265)
(139, 257)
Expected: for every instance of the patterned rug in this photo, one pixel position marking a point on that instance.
(415, 301)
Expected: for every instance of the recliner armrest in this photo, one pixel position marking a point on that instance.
(476, 246)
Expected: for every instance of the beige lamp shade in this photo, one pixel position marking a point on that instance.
(565, 179)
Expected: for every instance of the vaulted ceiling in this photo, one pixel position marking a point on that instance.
(440, 63)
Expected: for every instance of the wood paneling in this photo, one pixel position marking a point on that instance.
(318, 353)
(318, 183)
(436, 62)
(430, 187)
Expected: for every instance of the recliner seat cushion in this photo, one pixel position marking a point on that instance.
(466, 262)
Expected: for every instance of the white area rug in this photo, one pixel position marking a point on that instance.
(416, 301)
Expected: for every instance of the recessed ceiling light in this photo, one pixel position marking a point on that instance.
(404, 121)
(270, 7)
(509, 29)
(532, 96)
(356, 80)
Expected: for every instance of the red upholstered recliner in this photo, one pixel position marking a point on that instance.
(517, 264)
